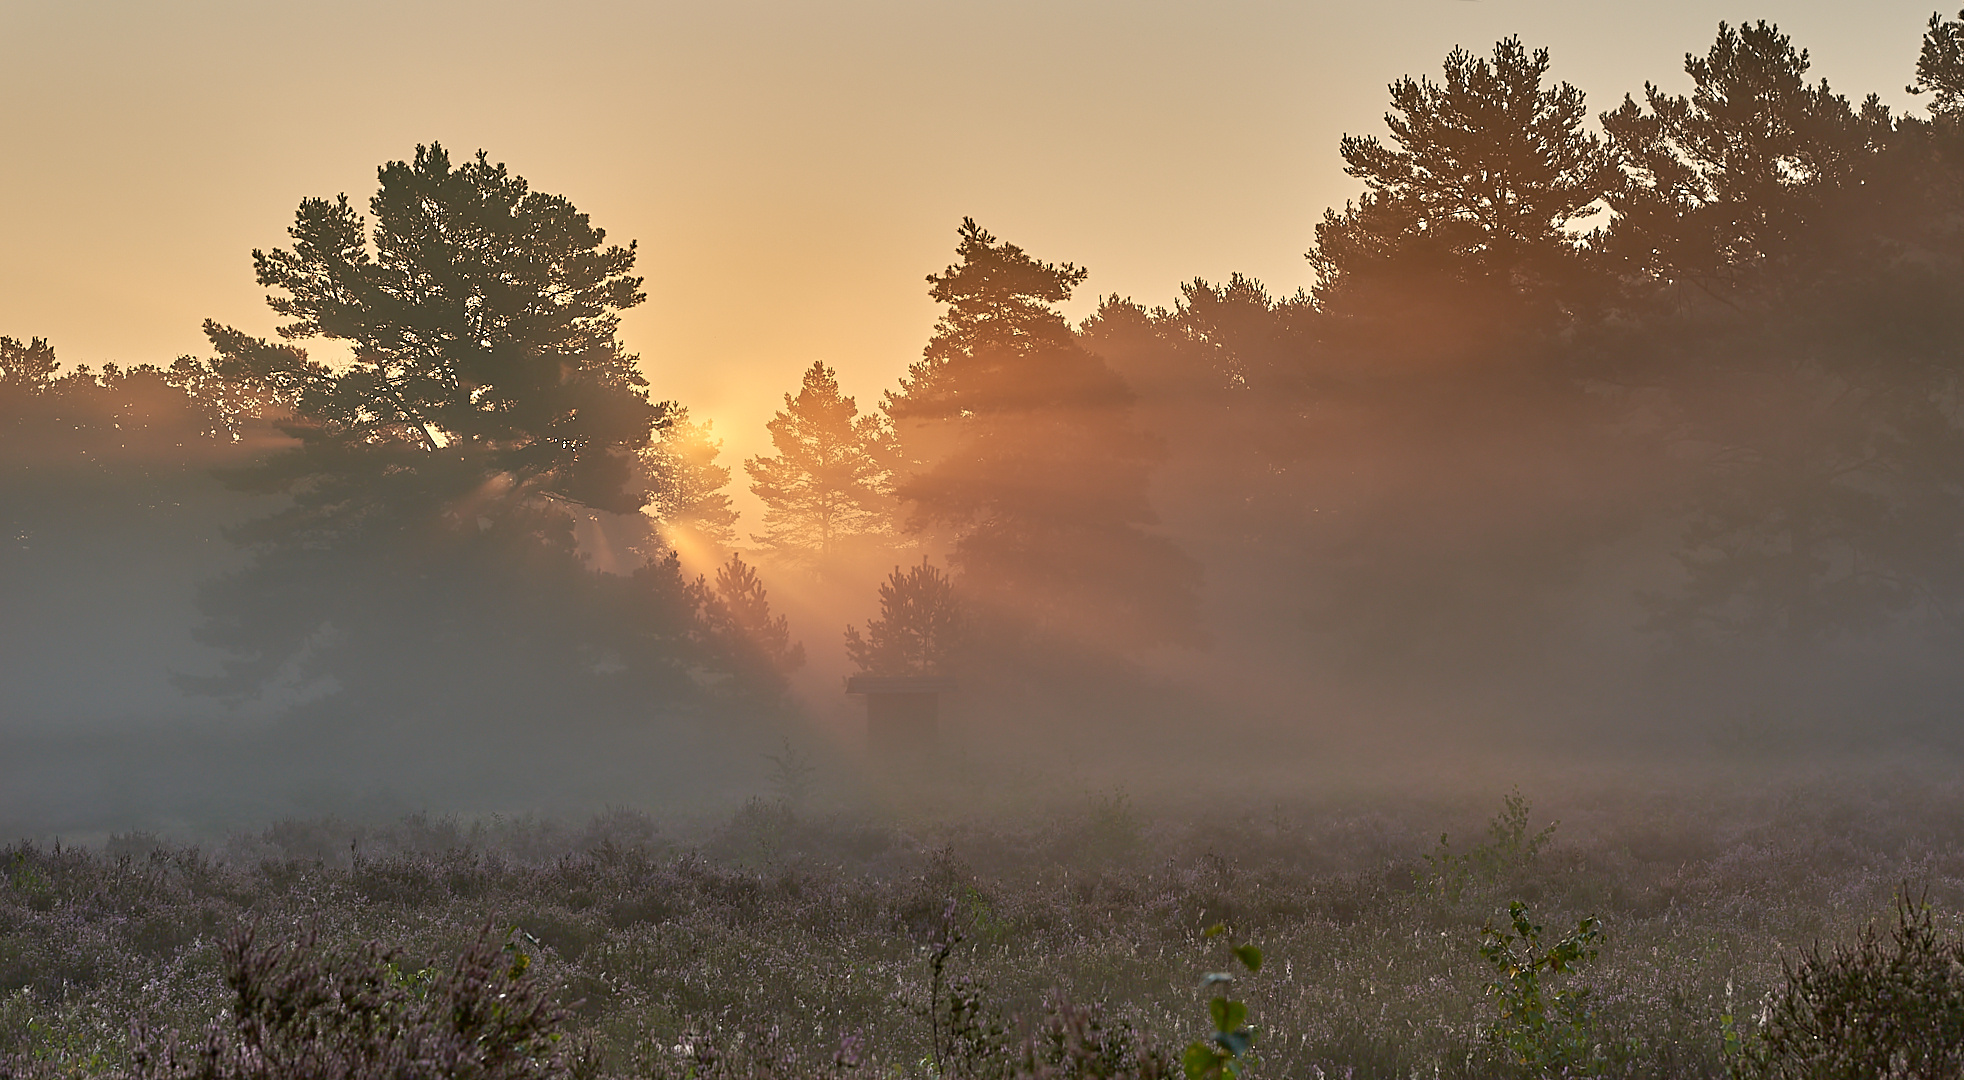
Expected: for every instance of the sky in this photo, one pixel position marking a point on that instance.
(791, 172)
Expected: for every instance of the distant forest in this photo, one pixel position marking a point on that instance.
(1650, 414)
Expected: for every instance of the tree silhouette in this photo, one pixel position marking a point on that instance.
(830, 480)
(1488, 172)
(1830, 494)
(1940, 66)
(919, 627)
(756, 643)
(481, 317)
(685, 481)
(108, 511)
(26, 369)
(1730, 174)
(1811, 366)
(1022, 444)
(119, 415)
(425, 557)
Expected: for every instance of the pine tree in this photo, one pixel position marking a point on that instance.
(919, 627)
(1940, 66)
(423, 557)
(483, 318)
(755, 643)
(686, 482)
(1023, 446)
(1488, 170)
(831, 479)
(1718, 181)
(26, 368)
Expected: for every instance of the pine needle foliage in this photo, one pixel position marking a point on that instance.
(757, 641)
(918, 628)
(686, 483)
(831, 478)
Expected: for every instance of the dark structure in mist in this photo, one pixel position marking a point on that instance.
(903, 713)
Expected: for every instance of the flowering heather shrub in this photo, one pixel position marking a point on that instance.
(1075, 1042)
(1878, 1008)
(300, 1014)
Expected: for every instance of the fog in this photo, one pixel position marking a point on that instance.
(1605, 445)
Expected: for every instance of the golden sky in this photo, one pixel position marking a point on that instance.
(790, 170)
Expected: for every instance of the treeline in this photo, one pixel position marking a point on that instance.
(1671, 389)
(1655, 418)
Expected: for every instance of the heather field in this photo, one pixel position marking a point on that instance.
(900, 939)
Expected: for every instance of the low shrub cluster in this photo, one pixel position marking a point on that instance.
(296, 1014)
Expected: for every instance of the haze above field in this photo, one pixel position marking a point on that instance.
(790, 171)
(1241, 393)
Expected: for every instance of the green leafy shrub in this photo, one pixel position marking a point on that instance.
(1225, 1054)
(1508, 848)
(1545, 1031)
(1881, 1008)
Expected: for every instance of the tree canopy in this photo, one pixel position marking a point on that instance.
(1730, 174)
(919, 628)
(425, 550)
(1021, 444)
(1488, 171)
(685, 483)
(831, 478)
(757, 641)
(1940, 65)
(1558, 395)
(481, 319)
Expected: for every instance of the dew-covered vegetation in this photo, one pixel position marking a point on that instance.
(831, 943)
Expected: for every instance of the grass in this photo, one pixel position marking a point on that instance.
(800, 943)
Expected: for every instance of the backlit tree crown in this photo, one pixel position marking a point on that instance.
(831, 476)
(998, 308)
(918, 629)
(687, 484)
(1488, 165)
(482, 318)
